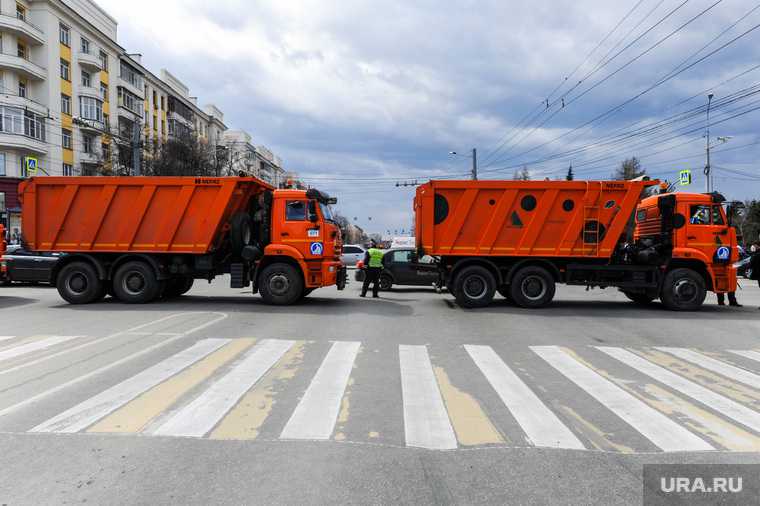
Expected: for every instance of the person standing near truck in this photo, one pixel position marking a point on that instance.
(754, 264)
(373, 264)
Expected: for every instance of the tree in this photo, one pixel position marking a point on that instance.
(629, 169)
(570, 176)
(185, 156)
(522, 174)
(748, 222)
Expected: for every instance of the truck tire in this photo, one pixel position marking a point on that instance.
(532, 287)
(78, 283)
(135, 283)
(307, 292)
(643, 299)
(241, 232)
(683, 290)
(474, 287)
(178, 287)
(280, 284)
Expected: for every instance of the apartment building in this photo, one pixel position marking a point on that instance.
(56, 64)
(258, 161)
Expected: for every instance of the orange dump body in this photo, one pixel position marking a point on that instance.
(524, 218)
(138, 214)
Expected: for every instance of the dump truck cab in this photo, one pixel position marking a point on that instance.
(695, 229)
(303, 231)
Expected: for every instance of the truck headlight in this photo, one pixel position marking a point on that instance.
(331, 268)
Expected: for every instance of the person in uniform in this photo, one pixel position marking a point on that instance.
(373, 266)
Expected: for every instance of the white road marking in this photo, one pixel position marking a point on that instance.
(42, 344)
(204, 412)
(750, 354)
(717, 402)
(655, 426)
(426, 422)
(117, 363)
(315, 415)
(131, 331)
(7, 338)
(540, 424)
(711, 364)
(93, 409)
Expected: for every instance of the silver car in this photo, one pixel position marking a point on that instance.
(352, 253)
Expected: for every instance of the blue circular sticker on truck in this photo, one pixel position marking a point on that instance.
(316, 248)
(724, 253)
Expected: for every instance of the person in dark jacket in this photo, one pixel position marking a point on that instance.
(373, 265)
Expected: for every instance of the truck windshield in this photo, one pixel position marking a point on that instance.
(326, 211)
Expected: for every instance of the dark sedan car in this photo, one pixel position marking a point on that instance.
(24, 266)
(401, 267)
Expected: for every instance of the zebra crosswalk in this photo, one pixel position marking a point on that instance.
(607, 398)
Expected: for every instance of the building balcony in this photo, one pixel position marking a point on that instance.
(89, 91)
(23, 66)
(89, 159)
(20, 28)
(89, 61)
(21, 142)
(90, 125)
(132, 88)
(14, 100)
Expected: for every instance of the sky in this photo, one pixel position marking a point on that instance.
(355, 96)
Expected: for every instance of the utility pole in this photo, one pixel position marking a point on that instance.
(136, 151)
(708, 177)
(474, 164)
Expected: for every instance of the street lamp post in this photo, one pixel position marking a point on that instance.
(708, 177)
(474, 156)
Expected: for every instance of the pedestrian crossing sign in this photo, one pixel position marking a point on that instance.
(685, 177)
(31, 166)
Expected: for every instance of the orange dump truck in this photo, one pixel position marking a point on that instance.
(142, 238)
(521, 238)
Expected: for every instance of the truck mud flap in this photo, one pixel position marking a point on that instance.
(342, 278)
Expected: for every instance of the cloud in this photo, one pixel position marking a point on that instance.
(368, 89)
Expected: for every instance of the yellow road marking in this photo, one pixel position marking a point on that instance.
(345, 410)
(134, 416)
(244, 421)
(709, 379)
(597, 437)
(471, 424)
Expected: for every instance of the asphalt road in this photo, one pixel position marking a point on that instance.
(215, 398)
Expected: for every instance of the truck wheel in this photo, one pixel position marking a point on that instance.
(642, 299)
(532, 287)
(683, 290)
(177, 287)
(474, 287)
(241, 232)
(386, 283)
(280, 284)
(78, 283)
(136, 283)
(505, 291)
(307, 292)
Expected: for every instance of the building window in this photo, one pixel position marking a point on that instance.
(87, 144)
(85, 46)
(155, 100)
(131, 76)
(103, 61)
(22, 89)
(106, 150)
(66, 136)
(68, 170)
(21, 12)
(15, 120)
(86, 79)
(130, 101)
(65, 70)
(104, 91)
(163, 107)
(21, 50)
(2, 164)
(64, 35)
(91, 109)
(65, 104)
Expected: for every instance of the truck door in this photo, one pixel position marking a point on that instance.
(706, 229)
(299, 231)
